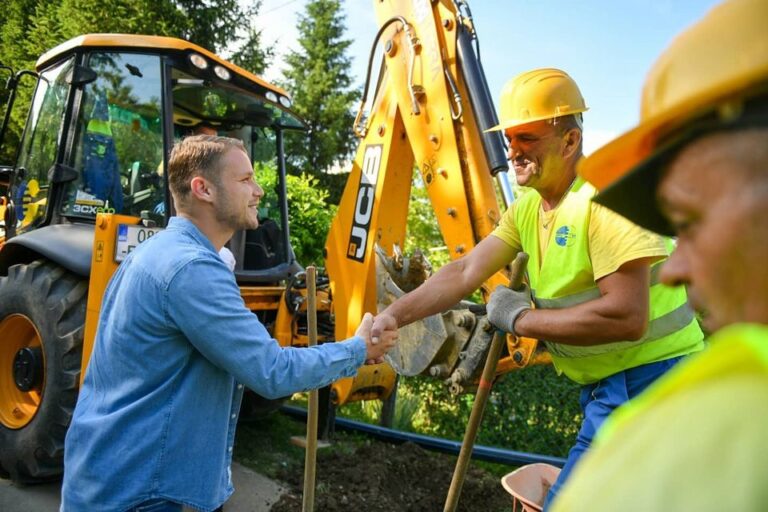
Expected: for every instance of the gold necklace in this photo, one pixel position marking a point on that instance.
(546, 220)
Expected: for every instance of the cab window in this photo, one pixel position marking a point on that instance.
(118, 147)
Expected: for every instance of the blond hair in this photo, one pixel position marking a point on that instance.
(198, 155)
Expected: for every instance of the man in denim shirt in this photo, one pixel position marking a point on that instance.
(155, 421)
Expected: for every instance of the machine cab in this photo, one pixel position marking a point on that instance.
(105, 113)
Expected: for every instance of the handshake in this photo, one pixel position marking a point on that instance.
(380, 335)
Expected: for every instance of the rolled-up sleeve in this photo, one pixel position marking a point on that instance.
(203, 300)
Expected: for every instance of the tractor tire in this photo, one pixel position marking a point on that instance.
(42, 319)
(255, 407)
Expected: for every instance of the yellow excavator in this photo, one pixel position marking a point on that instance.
(87, 186)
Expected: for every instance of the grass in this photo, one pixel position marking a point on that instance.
(265, 445)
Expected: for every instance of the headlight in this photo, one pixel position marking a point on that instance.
(198, 61)
(222, 72)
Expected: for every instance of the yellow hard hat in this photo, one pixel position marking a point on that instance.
(539, 94)
(704, 81)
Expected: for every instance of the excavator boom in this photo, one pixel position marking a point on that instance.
(430, 109)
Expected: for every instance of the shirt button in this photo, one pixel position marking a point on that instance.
(229, 449)
(239, 386)
(234, 416)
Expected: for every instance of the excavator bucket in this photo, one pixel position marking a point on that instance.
(430, 346)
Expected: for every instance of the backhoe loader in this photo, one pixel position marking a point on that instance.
(87, 186)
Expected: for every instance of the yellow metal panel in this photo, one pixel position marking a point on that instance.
(262, 298)
(386, 157)
(372, 381)
(448, 153)
(103, 265)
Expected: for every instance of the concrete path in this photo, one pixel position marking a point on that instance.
(253, 493)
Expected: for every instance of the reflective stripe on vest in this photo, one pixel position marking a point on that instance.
(563, 277)
(659, 327)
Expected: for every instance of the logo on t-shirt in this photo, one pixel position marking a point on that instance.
(565, 235)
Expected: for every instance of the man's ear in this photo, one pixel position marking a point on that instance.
(201, 189)
(572, 140)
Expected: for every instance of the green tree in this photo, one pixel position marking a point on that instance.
(253, 54)
(31, 27)
(318, 78)
(218, 24)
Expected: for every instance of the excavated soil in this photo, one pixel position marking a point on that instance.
(392, 478)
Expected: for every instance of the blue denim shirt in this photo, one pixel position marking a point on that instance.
(175, 344)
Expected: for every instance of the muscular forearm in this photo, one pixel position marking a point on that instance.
(591, 323)
(441, 291)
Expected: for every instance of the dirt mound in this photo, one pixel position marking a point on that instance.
(386, 477)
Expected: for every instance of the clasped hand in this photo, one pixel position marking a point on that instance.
(381, 342)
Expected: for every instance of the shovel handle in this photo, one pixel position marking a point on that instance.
(517, 272)
(313, 409)
(483, 391)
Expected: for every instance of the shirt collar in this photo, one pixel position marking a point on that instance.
(188, 227)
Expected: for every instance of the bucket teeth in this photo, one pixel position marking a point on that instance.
(408, 272)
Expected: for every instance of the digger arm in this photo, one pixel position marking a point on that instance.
(430, 109)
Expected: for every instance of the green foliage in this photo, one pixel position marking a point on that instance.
(308, 214)
(533, 410)
(265, 445)
(319, 81)
(29, 28)
(422, 230)
(253, 55)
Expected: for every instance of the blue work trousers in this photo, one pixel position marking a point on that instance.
(598, 401)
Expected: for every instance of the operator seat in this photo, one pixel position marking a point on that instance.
(263, 255)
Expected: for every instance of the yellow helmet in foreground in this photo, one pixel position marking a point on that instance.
(539, 94)
(708, 79)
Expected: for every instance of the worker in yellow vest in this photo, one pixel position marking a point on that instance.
(696, 166)
(608, 323)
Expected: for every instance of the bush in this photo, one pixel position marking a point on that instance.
(309, 217)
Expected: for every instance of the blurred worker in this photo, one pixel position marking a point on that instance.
(101, 168)
(203, 128)
(605, 319)
(696, 166)
(155, 420)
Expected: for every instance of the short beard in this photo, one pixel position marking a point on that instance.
(232, 220)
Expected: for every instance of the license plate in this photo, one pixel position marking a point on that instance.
(129, 236)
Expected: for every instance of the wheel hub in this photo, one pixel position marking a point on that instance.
(22, 371)
(28, 368)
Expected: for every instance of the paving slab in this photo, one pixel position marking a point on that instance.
(253, 493)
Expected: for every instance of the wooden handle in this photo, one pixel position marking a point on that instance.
(483, 391)
(517, 273)
(310, 455)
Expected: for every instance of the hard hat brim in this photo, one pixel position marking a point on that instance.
(514, 123)
(630, 190)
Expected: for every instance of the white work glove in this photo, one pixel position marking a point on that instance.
(506, 306)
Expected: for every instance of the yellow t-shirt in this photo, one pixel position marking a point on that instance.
(613, 240)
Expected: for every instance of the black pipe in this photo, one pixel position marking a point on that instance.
(482, 103)
(486, 453)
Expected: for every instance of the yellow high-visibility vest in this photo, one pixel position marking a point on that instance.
(694, 440)
(564, 277)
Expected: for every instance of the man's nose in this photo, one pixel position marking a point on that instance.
(257, 190)
(513, 151)
(674, 271)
